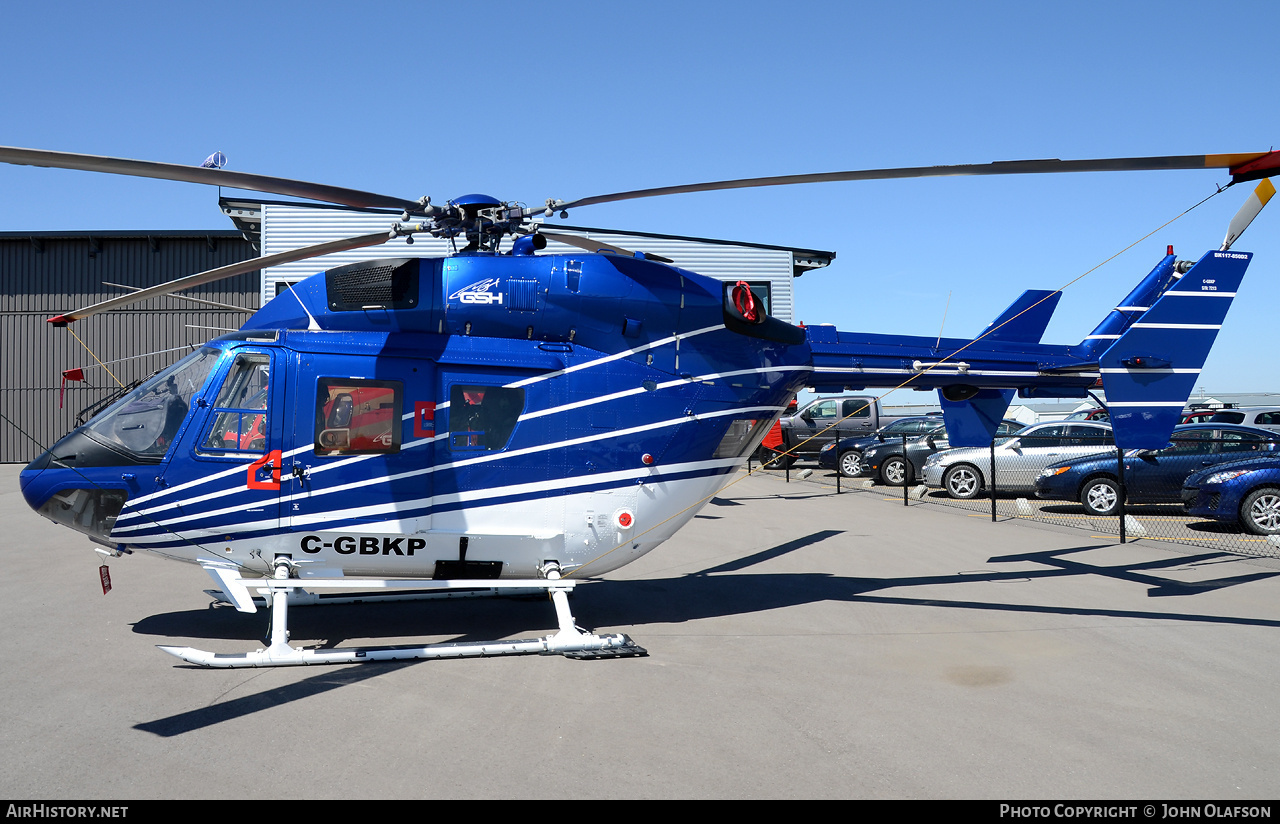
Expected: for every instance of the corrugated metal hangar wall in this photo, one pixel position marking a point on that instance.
(286, 227)
(44, 274)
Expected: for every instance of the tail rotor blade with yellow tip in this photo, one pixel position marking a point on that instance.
(1248, 212)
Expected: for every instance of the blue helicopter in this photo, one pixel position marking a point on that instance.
(507, 420)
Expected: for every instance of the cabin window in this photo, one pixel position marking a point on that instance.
(357, 417)
(857, 408)
(1190, 443)
(1049, 436)
(825, 409)
(1244, 442)
(742, 436)
(1088, 436)
(482, 418)
(240, 413)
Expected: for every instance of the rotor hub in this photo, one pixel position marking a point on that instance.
(482, 219)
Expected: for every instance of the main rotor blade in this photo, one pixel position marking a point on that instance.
(200, 301)
(585, 243)
(1263, 193)
(200, 174)
(1243, 166)
(231, 271)
(598, 246)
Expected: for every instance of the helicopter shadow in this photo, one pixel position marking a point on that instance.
(723, 590)
(328, 678)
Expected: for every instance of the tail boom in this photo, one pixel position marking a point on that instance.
(1148, 354)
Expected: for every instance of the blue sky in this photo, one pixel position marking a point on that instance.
(529, 101)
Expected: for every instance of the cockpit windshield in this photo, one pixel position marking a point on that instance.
(146, 420)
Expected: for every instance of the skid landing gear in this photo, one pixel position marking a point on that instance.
(569, 641)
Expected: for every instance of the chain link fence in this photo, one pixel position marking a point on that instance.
(1232, 504)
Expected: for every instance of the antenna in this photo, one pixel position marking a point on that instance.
(944, 321)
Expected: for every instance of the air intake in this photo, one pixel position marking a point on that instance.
(373, 284)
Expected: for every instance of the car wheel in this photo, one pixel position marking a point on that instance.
(895, 471)
(1260, 512)
(850, 463)
(774, 460)
(1100, 496)
(962, 482)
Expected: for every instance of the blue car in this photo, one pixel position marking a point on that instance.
(1151, 476)
(849, 459)
(1245, 491)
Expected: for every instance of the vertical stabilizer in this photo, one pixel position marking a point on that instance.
(1130, 309)
(973, 421)
(1026, 318)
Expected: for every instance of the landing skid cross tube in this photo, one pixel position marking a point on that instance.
(570, 640)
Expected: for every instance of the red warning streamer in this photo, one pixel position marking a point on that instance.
(744, 300)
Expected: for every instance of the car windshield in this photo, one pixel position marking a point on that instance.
(145, 421)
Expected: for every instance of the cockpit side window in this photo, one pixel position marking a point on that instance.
(240, 413)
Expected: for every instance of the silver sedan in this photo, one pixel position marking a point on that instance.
(964, 473)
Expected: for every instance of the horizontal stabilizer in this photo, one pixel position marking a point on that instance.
(1026, 318)
(1150, 371)
(973, 421)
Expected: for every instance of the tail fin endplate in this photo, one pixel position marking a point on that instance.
(1150, 370)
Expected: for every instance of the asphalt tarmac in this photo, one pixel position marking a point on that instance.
(801, 645)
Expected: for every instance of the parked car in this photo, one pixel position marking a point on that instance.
(1150, 476)
(1246, 491)
(886, 463)
(1198, 416)
(803, 434)
(964, 473)
(1267, 417)
(849, 460)
(1095, 414)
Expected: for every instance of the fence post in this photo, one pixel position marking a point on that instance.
(906, 469)
(837, 448)
(993, 480)
(1120, 503)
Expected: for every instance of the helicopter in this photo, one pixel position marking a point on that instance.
(504, 420)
